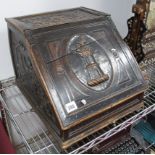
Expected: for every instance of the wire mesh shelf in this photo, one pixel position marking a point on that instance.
(30, 134)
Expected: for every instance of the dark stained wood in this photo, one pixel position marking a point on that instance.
(77, 69)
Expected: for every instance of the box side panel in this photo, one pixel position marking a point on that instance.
(26, 78)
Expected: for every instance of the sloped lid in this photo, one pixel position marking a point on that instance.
(89, 70)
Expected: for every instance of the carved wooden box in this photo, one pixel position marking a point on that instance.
(74, 65)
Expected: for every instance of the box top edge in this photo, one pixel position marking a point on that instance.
(54, 18)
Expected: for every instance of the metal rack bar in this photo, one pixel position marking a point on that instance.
(15, 124)
(113, 131)
(40, 140)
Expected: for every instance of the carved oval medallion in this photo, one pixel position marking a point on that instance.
(89, 62)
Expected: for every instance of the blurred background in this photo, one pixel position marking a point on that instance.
(120, 11)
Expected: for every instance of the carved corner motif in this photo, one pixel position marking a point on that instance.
(123, 73)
